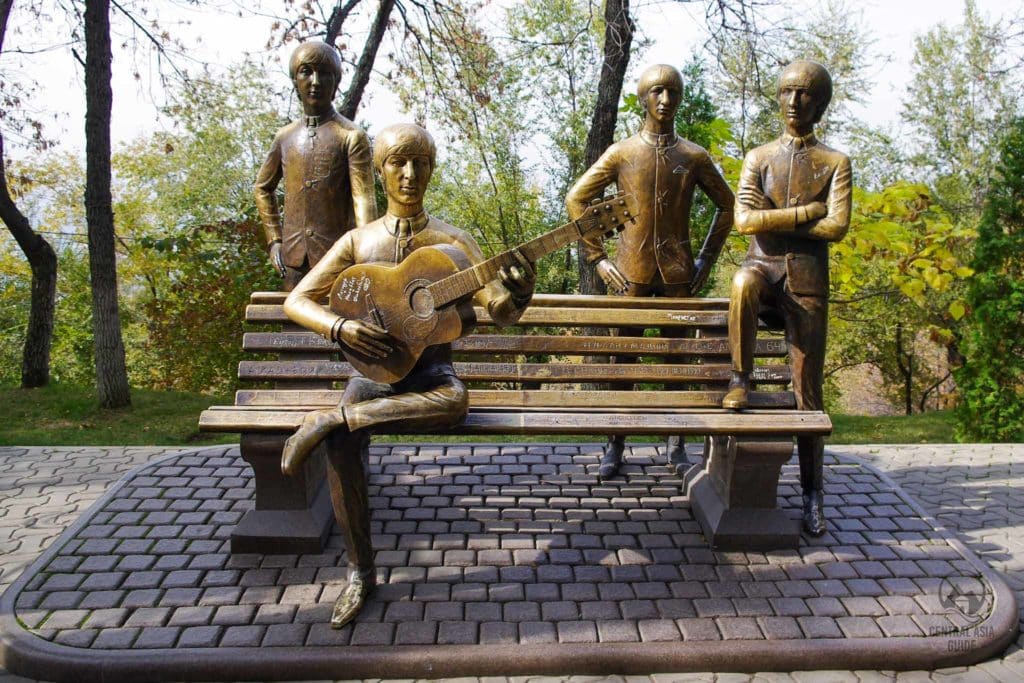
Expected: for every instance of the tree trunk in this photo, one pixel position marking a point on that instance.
(35, 357)
(337, 18)
(906, 370)
(618, 37)
(365, 66)
(111, 373)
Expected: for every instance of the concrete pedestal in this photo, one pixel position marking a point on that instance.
(733, 495)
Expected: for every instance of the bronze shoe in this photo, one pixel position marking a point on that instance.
(611, 458)
(315, 427)
(676, 450)
(737, 397)
(814, 514)
(351, 600)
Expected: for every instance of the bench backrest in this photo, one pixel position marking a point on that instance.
(551, 358)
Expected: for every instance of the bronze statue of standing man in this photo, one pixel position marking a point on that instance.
(654, 256)
(793, 199)
(325, 161)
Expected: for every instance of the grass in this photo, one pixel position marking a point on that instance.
(69, 416)
(933, 427)
(60, 415)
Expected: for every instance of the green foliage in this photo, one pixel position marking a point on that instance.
(992, 378)
(832, 33)
(195, 251)
(961, 98)
(897, 287)
(189, 250)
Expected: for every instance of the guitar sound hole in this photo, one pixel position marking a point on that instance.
(421, 302)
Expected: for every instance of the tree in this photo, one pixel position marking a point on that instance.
(991, 380)
(35, 360)
(189, 233)
(111, 370)
(961, 99)
(897, 281)
(618, 37)
(749, 61)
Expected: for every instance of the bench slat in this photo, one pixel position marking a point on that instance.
(563, 317)
(304, 342)
(574, 300)
(533, 399)
(255, 370)
(480, 422)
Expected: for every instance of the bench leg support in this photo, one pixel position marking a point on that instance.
(734, 495)
(292, 515)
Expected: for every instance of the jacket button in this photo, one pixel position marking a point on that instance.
(309, 183)
(309, 233)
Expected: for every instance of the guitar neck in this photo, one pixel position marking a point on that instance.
(467, 281)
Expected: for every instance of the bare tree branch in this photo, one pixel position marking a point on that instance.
(337, 18)
(365, 66)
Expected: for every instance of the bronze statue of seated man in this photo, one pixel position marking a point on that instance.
(793, 199)
(430, 396)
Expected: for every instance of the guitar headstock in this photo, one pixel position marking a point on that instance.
(608, 216)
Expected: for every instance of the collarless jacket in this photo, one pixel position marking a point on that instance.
(776, 179)
(328, 187)
(663, 180)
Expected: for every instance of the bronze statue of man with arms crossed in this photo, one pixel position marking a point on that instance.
(654, 256)
(793, 199)
(430, 396)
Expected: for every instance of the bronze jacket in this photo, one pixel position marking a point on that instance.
(663, 179)
(777, 181)
(380, 242)
(328, 186)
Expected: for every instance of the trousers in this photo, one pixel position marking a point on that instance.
(806, 323)
(430, 398)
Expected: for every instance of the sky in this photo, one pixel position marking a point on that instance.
(674, 30)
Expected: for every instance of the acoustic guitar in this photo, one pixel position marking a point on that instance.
(425, 299)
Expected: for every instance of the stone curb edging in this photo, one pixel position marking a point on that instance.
(26, 654)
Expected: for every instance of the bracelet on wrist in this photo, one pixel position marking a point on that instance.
(336, 329)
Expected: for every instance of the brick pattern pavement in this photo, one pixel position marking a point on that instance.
(987, 480)
(42, 490)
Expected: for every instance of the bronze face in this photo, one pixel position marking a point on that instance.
(662, 102)
(405, 179)
(316, 84)
(805, 89)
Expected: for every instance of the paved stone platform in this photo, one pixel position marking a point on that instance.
(484, 550)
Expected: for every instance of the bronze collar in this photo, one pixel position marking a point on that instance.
(416, 223)
(799, 143)
(659, 139)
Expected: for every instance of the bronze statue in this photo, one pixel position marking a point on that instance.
(430, 396)
(654, 256)
(793, 199)
(325, 161)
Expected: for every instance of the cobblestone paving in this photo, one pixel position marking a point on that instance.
(462, 565)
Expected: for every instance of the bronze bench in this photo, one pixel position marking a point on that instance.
(733, 493)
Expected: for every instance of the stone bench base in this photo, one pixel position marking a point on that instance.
(733, 494)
